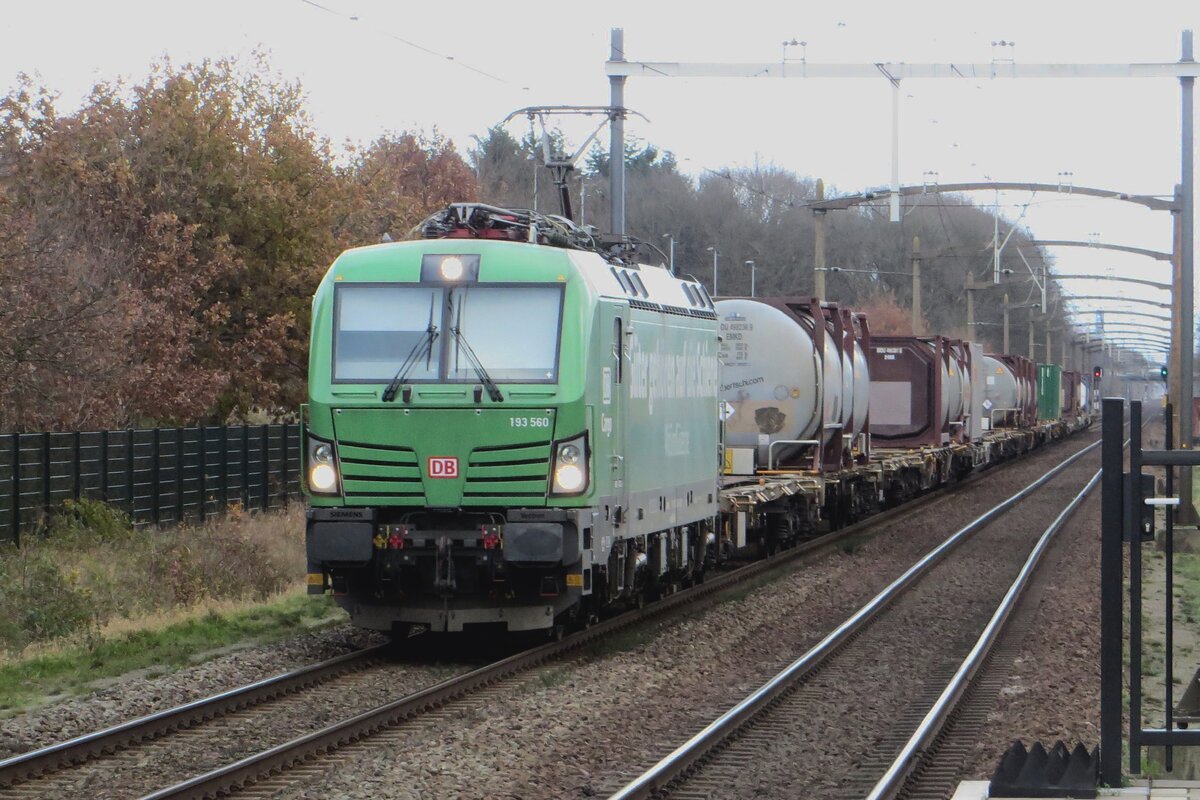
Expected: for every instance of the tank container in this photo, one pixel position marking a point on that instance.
(773, 378)
(862, 391)
(912, 392)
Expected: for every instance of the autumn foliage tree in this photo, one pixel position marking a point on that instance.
(885, 314)
(159, 247)
(397, 180)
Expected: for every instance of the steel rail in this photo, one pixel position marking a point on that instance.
(79, 749)
(682, 758)
(82, 748)
(283, 756)
(913, 751)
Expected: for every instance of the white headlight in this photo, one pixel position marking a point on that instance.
(452, 268)
(322, 478)
(568, 478)
(323, 454)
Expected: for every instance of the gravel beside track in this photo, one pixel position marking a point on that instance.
(850, 709)
(141, 769)
(132, 696)
(1054, 690)
(582, 729)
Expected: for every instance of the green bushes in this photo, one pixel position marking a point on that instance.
(88, 566)
(40, 599)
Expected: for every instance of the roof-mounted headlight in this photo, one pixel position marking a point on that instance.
(449, 268)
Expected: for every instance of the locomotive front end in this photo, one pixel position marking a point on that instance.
(448, 459)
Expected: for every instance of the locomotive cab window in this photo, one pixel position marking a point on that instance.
(511, 331)
(376, 327)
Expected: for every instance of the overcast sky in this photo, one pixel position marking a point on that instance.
(463, 66)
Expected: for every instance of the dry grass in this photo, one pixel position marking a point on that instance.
(91, 574)
(91, 598)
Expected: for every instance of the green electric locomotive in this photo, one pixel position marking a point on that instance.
(508, 424)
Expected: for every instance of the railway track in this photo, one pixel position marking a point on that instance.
(265, 774)
(40, 771)
(776, 722)
(50, 772)
(931, 760)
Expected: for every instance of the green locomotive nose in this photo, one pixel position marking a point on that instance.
(445, 457)
(505, 432)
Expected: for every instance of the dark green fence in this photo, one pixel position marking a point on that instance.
(156, 476)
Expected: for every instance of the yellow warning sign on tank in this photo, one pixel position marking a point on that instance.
(575, 579)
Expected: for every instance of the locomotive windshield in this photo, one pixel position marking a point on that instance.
(376, 327)
(512, 332)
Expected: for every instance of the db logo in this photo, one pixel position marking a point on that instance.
(443, 467)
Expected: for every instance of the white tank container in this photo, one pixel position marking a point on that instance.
(847, 390)
(1001, 388)
(832, 362)
(773, 379)
(861, 397)
(953, 390)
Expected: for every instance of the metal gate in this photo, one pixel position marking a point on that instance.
(1128, 505)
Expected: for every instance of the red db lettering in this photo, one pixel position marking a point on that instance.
(443, 467)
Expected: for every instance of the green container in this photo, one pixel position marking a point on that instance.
(1049, 391)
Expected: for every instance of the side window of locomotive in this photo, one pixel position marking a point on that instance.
(618, 349)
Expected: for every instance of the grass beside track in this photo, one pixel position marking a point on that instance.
(155, 646)
(89, 597)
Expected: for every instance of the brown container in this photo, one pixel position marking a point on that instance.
(911, 392)
(1072, 405)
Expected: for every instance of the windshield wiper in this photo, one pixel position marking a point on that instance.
(425, 343)
(492, 389)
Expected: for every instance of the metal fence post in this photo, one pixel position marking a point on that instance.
(224, 450)
(284, 444)
(1169, 608)
(104, 466)
(264, 452)
(78, 465)
(16, 488)
(1133, 530)
(46, 472)
(129, 474)
(1111, 612)
(179, 475)
(245, 467)
(203, 491)
(155, 501)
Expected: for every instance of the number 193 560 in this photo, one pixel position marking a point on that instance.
(529, 422)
